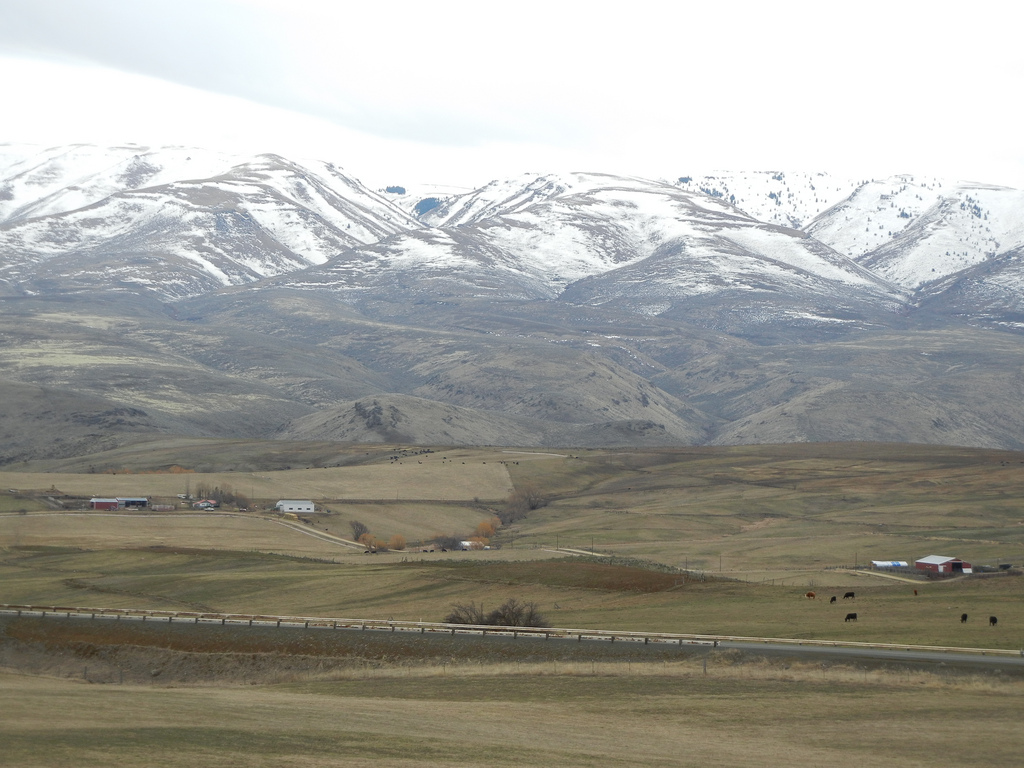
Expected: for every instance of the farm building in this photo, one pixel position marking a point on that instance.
(293, 505)
(943, 564)
(132, 502)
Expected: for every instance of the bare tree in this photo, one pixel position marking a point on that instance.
(358, 529)
(462, 613)
(448, 541)
(511, 613)
(521, 502)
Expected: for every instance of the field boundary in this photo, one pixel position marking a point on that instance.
(421, 627)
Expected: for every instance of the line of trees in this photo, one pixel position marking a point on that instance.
(225, 495)
(520, 503)
(361, 533)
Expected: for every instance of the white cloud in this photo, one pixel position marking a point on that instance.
(470, 91)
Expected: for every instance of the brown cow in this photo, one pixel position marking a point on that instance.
(810, 595)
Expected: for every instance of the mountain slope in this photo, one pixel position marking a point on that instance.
(646, 245)
(787, 199)
(914, 233)
(264, 298)
(257, 219)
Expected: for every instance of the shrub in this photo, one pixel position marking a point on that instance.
(462, 613)
(511, 613)
(520, 503)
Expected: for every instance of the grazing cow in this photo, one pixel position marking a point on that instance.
(915, 591)
(832, 600)
(850, 617)
(848, 594)
(992, 621)
(810, 595)
(963, 618)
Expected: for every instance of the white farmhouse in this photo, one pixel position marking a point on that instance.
(292, 505)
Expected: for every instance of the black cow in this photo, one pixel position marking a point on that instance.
(992, 621)
(963, 618)
(848, 594)
(850, 617)
(832, 600)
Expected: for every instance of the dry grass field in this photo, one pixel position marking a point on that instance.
(428, 476)
(570, 592)
(753, 527)
(761, 513)
(531, 715)
(775, 518)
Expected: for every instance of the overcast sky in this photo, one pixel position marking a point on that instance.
(463, 92)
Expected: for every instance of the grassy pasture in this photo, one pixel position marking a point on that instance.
(582, 715)
(773, 516)
(569, 592)
(759, 512)
(768, 511)
(219, 531)
(417, 478)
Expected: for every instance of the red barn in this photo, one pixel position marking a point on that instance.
(943, 565)
(104, 504)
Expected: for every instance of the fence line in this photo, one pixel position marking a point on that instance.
(422, 627)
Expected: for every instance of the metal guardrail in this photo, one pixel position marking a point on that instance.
(421, 627)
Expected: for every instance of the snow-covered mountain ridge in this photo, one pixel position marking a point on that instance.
(182, 222)
(175, 221)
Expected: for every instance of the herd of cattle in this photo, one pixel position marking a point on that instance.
(992, 620)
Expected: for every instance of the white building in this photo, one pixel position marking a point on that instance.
(292, 505)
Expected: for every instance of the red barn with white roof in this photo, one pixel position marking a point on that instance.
(942, 564)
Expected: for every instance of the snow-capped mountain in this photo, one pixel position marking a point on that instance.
(788, 199)
(182, 222)
(989, 292)
(592, 238)
(964, 225)
(38, 182)
(911, 231)
(116, 226)
(174, 291)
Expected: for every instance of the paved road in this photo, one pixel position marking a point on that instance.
(877, 654)
(979, 659)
